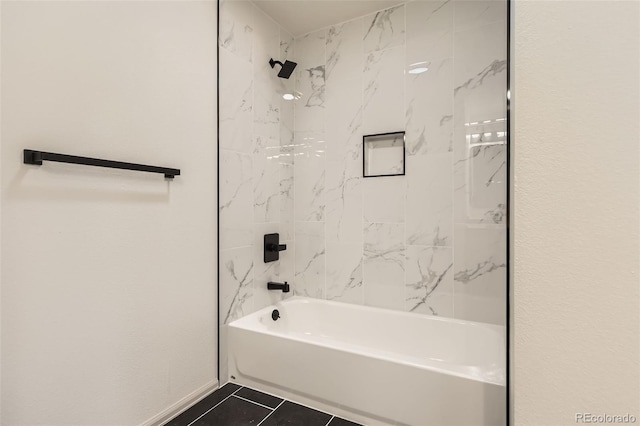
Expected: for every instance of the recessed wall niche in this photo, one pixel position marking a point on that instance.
(384, 154)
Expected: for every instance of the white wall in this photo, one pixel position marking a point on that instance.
(108, 279)
(576, 210)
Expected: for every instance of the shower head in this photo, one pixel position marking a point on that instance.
(287, 67)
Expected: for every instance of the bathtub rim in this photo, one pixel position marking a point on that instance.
(501, 330)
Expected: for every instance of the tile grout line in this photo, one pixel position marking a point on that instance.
(332, 417)
(206, 412)
(253, 402)
(274, 410)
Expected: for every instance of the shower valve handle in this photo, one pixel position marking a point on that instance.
(277, 247)
(272, 247)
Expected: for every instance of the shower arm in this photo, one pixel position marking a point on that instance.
(273, 63)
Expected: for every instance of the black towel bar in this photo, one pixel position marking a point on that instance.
(37, 157)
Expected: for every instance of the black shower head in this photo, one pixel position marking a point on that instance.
(287, 67)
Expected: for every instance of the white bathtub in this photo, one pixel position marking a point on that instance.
(374, 366)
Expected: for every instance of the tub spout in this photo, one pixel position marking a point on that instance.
(278, 286)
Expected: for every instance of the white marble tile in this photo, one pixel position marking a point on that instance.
(286, 192)
(272, 271)
(287, 124)
(266, 45)
(343, 214)
(383, 265)
(480, 185)
(287, 85)
(236, 199)
(287, 151)
(287, 45)
(384, 29)
(480, 125)
(267, 192)
(344, 92)
(310, 82)
(344, 49)
(236, 283)
(344, 132)
(429, 113)
(471, 14)
(480, 273)
(236, 103)
(310, 49)
(266, 96)
(383, 95)
(481, 64)
(430, 200)
(384, 199)
(310, 260)
(287, 268)
(429, 280)
(266, 120)
(429, 30)
(344, 137)
(309, 177)
(236, 27)
(344, 273)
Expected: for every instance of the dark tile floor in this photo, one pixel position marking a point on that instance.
(235, 405)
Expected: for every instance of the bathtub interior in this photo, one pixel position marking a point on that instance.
(464, 348)
(411, 267)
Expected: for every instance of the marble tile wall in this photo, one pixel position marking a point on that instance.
(433, 241)
(256, 161)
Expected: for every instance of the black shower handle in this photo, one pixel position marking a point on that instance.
(276, 247)
(272, 247)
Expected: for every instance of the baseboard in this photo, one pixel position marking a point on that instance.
(182, 405)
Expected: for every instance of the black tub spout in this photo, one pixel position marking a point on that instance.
(278, 286)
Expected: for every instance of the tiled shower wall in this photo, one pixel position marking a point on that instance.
(433, 241)
(256, 161)
(430, 242)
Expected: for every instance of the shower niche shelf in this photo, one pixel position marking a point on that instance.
(383, 155)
